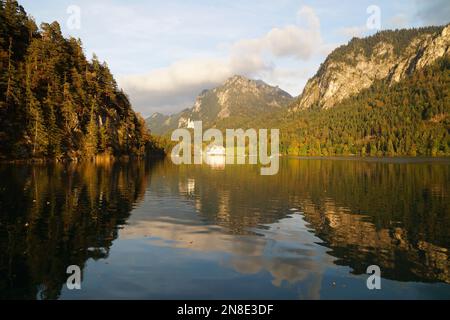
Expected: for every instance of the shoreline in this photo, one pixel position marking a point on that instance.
(108, 159)
(97, 159)
(396, 159)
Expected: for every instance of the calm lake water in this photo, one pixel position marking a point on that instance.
(158, 231)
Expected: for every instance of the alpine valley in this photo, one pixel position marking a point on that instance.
(387, 94)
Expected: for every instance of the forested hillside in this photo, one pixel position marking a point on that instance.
(391, 55)
(54, 103)
(409, 118)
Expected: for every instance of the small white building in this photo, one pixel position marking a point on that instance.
(190, 124)
(216, 151)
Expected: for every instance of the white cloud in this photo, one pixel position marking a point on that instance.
(175, 87)
(290, 41)
(306, 16)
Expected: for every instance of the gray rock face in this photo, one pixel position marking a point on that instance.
(237, 97)
(390, 55)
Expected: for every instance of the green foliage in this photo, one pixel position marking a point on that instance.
(91, 138)
(53, 102)
(407, 118)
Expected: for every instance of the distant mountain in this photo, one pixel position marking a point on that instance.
(158, 122)
(238, 98)
(385, 95)
(387, 55)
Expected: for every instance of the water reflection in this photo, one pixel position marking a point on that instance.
(394, 215)
(170, 231)
(60, 215)
(215, 161)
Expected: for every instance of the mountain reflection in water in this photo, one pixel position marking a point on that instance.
(155, 230)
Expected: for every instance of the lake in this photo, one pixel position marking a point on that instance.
(153, 230)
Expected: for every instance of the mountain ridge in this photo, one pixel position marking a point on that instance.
(238, 97)
(356, 66)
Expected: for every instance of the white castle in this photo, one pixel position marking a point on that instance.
(190, 124)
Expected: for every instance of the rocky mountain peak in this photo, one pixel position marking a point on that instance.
(391, 55)
(156, 115)
(237, 97)
(236, 79)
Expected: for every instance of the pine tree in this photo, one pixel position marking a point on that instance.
(54, 133)
(52, 98)
(91, 135)
(390, 148)
(104, 138)
(35, 126)
(10, 73)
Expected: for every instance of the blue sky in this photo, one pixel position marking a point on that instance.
(163, 53)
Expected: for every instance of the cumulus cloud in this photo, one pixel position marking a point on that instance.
(299, 41)
(175, 87)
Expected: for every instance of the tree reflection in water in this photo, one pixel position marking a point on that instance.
(312, 215)
(53, 216)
